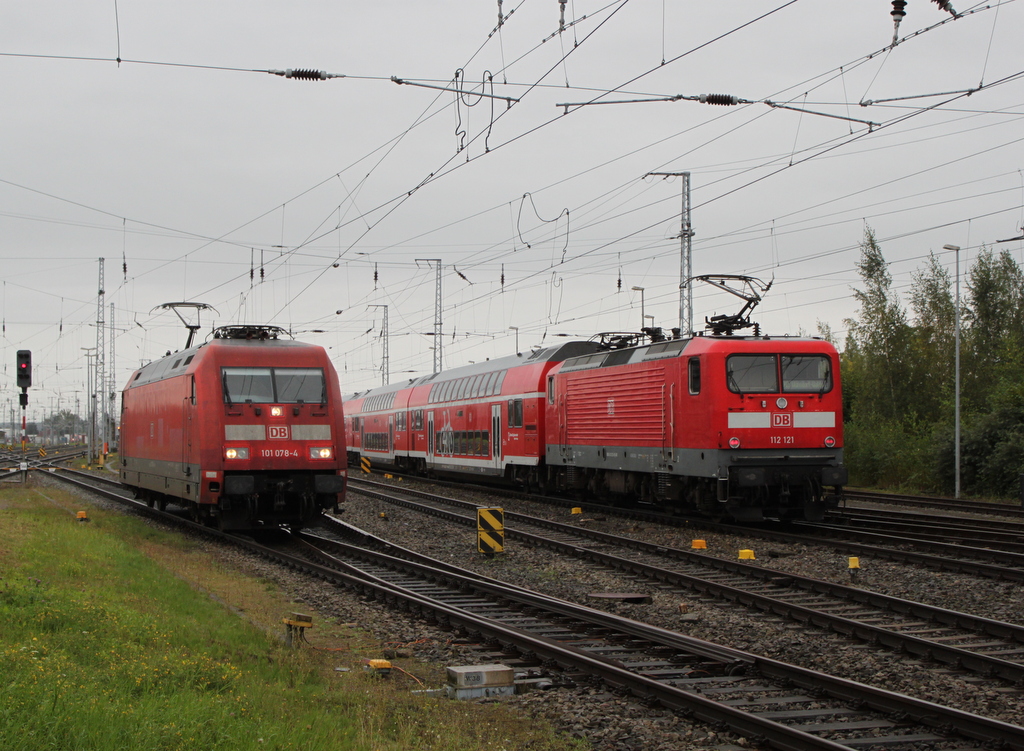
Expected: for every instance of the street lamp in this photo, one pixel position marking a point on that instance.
(642, 316)
(956, 383)
(515, 329)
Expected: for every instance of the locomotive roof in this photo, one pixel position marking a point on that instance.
(176, 362)
(666, 349)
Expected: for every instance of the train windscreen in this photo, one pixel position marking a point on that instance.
(273, 385)
(759, 374)
(752, 374)
(806, 373)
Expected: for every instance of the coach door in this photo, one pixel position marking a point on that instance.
(430, 438)
(496, 434)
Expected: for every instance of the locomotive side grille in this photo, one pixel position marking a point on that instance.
(627, 409)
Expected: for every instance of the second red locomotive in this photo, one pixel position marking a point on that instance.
(245, 430)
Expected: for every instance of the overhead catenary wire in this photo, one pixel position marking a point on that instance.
(574, 213)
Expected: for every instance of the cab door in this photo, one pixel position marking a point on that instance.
(188, 406)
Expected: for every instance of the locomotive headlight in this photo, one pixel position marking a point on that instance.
(830, 442)
(324, 452)
(276, 411)
(236, 453)
(734, 443)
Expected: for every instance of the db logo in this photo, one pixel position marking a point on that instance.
(278, 432)
(782, 420)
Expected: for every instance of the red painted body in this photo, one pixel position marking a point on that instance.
(238, 463)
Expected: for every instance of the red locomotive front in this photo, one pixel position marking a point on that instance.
(245, 430)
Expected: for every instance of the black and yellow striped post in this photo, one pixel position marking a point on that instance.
(490, 530)
(364, 464)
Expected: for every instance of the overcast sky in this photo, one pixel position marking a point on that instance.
(200, 177)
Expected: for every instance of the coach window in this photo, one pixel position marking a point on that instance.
(515, 413)
(694, 366)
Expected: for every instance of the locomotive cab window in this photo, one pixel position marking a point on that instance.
(752, 374)
(694, 372)
(273, 385)
(760, 374)
(806, 373)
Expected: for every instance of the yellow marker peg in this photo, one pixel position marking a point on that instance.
(854, 563)
(747, 555)
(699, 545)
(82, 516)
(577, 510)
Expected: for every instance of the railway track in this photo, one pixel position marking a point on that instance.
(945, 550)
(763, 699)
(989, 648)
(1004, 534)
(768, 701)
(935, 502)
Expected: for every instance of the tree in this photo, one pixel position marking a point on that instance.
(934, 335)
(882, 339)
(995, 318)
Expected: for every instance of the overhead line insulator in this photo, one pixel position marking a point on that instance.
(723, 99)
(306, 74)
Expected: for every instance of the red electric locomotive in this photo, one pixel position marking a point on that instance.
(741, 427)
(243, 430)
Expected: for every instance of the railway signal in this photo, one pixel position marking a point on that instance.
(24, 368)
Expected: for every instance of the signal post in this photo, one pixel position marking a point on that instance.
(24, 381)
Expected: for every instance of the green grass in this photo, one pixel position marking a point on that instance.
(116, 636)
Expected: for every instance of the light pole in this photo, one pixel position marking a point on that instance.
(515, 329)
(642, 316)
(956, 377)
